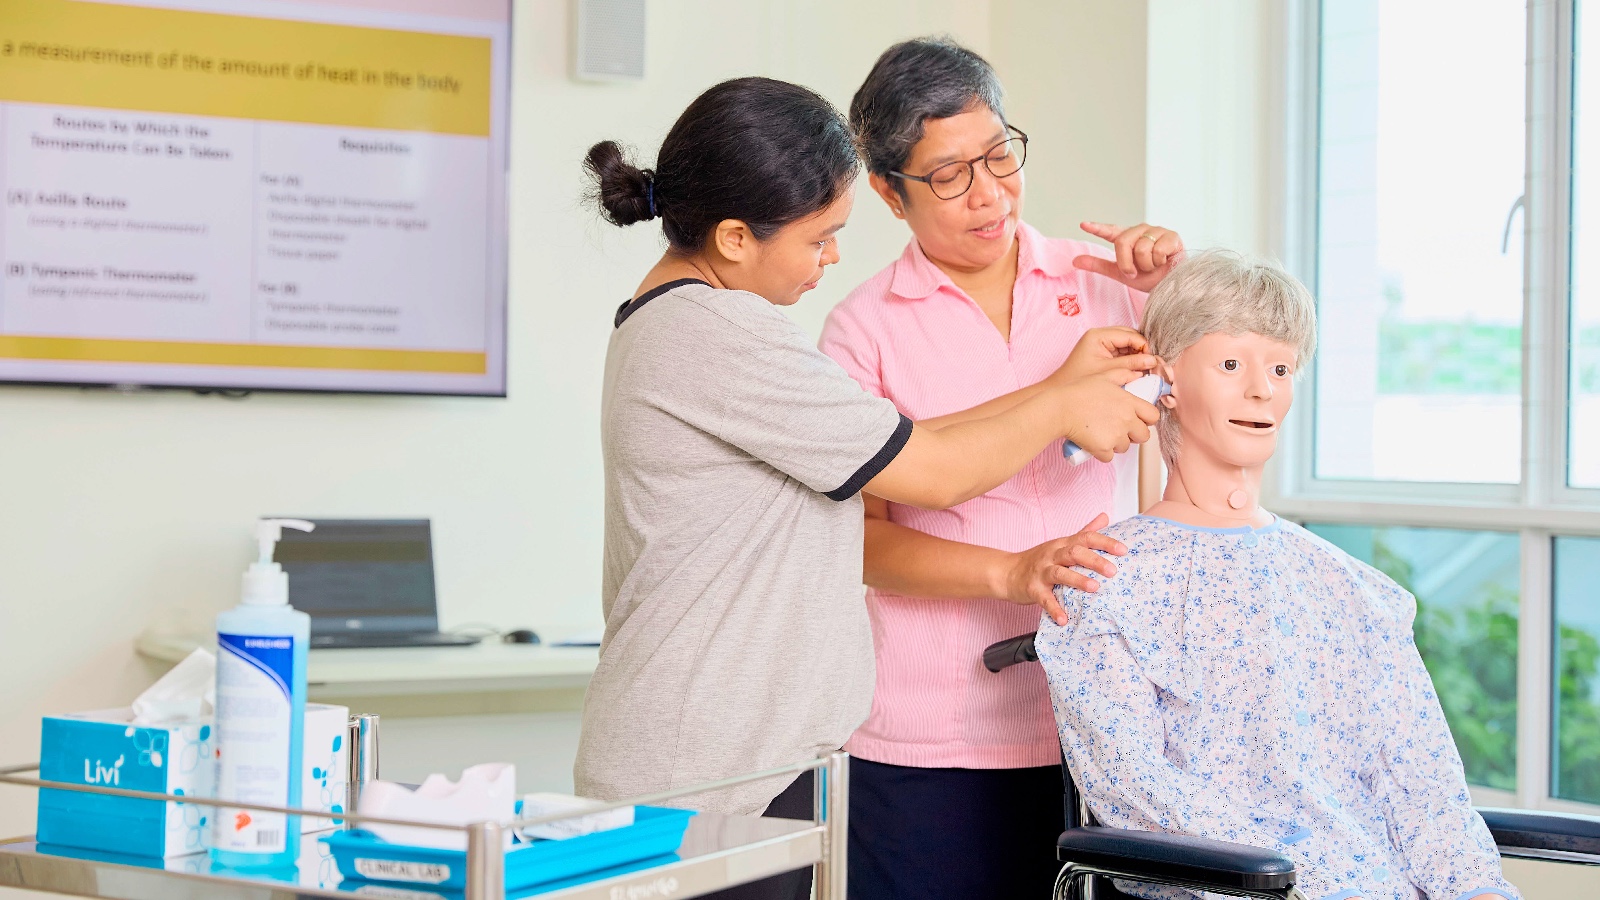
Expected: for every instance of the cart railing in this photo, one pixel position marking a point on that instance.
(485, 870)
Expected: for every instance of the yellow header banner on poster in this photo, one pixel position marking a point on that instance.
(193, 353)
(74, 53)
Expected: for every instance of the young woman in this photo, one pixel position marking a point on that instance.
(736, 452)
(955, 777)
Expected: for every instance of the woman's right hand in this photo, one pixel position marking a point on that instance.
(1104, 349)
(1102, 417)
(1033, 574)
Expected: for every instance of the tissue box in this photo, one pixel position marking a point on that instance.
(106, 748)
(326, 764)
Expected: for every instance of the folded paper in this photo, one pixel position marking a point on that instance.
(539, 805)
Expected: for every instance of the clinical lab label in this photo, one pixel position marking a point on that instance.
(254, 727)
(396, 870)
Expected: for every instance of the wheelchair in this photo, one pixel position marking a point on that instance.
(1093, 855)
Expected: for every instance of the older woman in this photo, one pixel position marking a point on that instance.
(956, 788)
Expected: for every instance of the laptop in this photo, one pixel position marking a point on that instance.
(366, 583)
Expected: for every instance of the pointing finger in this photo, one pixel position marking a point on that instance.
(1101, 230)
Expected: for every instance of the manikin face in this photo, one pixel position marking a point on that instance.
(1230, 394)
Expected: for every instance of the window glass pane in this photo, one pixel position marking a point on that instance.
(1420, 163)
(1575, 774)
(1583, 467)
(1466, 585)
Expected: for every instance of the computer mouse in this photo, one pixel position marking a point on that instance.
(521, 636)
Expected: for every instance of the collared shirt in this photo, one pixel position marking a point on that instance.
(1261, 686)
(911, 335)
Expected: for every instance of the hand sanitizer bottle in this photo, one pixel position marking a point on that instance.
(261, 703)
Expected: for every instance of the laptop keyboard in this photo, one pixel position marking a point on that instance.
(371, 639)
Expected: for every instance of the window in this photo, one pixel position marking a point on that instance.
(1584, 359)
(1443, 195)
(1465, 583)
(1419, 280)
(1575, 774)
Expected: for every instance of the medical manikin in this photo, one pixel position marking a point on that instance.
(1240, 678)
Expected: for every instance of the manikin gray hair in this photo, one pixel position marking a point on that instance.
(1222, 291)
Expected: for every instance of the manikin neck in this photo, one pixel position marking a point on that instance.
(1211, 494)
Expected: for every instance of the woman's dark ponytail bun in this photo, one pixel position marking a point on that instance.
(623, 190)
(761, 151)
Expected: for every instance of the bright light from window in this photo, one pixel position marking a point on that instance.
(1421, 162)
(1583, 468)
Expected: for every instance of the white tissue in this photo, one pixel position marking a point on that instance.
(485, 793)
(537, 805)
(189, 691)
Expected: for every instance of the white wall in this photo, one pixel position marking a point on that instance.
(122, 512)
(1074, 72)
(119, 513)
(1214, 167)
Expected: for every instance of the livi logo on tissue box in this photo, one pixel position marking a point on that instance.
(106, 748)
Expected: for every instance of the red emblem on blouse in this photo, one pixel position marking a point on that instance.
(1068, 304)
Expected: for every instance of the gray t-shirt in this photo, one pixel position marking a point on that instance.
(736, 633)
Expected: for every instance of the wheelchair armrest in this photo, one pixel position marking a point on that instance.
(1525, 833)
(1009, 652)
(1191, 862)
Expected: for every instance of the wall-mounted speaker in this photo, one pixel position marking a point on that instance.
(609, 40)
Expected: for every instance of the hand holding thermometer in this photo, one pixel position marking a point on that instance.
(1148, 388)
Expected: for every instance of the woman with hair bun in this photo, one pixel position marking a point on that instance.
(736, 454)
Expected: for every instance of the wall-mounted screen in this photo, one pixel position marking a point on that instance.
(255, 194)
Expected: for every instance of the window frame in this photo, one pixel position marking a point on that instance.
(1540, 507)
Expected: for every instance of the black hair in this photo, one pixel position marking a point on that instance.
(763, 151)
(913, 81)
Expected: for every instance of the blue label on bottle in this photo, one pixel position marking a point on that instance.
(254, 727)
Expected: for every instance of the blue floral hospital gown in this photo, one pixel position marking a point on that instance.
(1261, 686)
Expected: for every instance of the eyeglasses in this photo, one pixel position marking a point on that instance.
(951, 180)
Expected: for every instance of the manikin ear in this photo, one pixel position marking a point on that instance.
(734, 241)
(1164, 369)
(882, 187)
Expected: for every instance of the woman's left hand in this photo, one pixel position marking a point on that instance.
(1145, 254)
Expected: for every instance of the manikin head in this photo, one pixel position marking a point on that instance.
(1232, 334)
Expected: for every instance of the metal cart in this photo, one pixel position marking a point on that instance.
(718, 851)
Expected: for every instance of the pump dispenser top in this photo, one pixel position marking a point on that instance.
(265, 582)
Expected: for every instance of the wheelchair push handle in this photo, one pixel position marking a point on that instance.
(1009, 652)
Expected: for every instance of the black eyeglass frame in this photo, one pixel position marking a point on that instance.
(972, 165)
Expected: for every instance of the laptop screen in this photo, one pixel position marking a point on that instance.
(362, 575)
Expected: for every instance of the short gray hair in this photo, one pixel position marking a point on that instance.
(1222, 291)
(912, 82)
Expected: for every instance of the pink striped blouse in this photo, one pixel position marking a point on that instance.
(909, 334)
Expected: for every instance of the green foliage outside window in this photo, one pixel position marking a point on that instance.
(1469, 358)
(1471, 653)
(1578, 720)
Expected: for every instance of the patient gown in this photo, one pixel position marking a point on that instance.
(1261, 686)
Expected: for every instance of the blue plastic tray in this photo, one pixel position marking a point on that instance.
(656, 831)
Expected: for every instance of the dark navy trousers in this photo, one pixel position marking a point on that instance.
(798, 801)
(953, 834)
